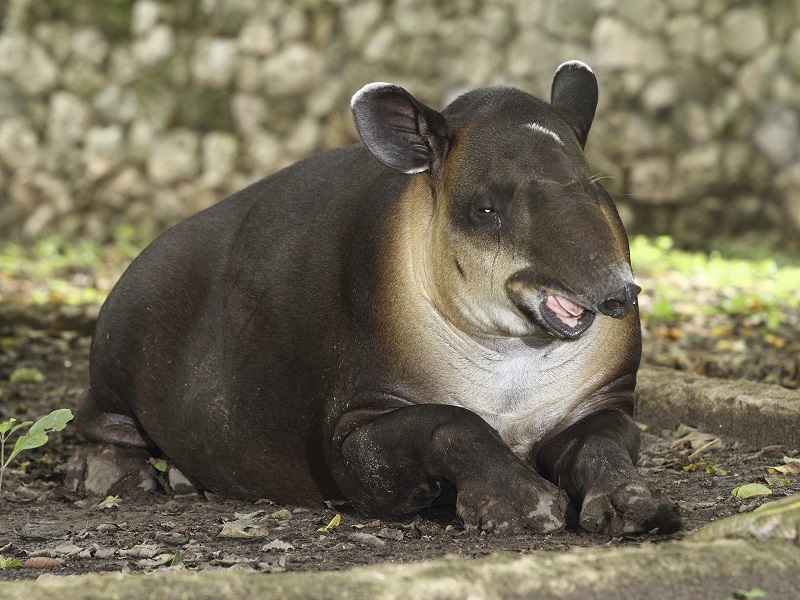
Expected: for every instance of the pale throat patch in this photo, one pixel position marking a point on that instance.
(544, 130)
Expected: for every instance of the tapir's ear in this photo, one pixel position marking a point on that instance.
(399, 130)
(574, 94)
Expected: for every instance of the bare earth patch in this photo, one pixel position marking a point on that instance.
(63, 534)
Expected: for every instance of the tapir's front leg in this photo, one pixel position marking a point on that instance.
(394, 465)
(593, 460)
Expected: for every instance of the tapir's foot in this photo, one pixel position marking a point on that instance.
(528, 502)
(630, 508)
(101, 470)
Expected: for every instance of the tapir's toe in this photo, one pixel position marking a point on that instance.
(100, 470)
(629, 509)
(527, 503)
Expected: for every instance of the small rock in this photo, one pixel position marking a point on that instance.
(179, 483)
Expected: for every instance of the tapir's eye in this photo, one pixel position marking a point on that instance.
(484, 212)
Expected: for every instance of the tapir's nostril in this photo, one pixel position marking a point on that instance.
(619, 304)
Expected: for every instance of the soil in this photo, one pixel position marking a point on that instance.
(40, 518)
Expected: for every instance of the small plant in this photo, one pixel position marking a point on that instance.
(26, 374)
(9, 563)
(36, 436)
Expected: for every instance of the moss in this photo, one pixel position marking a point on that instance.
(113, 17)
(205, 108)
(156, 97)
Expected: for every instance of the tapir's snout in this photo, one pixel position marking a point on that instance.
(619, 304)
(563, 316)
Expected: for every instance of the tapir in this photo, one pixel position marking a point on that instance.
(445, 309)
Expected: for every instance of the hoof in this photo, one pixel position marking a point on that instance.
(629, 509)
(101, 470)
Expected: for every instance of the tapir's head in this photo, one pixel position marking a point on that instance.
(522, 239)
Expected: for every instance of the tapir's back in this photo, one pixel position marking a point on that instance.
(227, 311)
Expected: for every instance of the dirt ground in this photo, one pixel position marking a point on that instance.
(39, 518)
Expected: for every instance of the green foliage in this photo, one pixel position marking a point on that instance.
(759, 287)
(26, 374)
(750, 490)
(36, 436)
(9, 563)
(751, 594)
(53, 270)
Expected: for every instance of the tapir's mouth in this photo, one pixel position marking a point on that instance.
(565, 318)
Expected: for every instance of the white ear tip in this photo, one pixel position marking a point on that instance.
(370, 87)
(574, 64)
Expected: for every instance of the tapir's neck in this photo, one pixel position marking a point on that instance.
(523, 387)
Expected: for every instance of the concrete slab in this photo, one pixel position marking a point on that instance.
(754, 413)
(685, 569)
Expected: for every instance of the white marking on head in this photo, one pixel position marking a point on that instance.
(574, 63)
(539, 129)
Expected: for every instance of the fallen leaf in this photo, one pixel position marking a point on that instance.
(791, 466)
(248, 525)
(750, 490)
(697, 441)
(367, 539)
(9, 563)
(156, 561)
(774, 340)
(109, 502)
(141, 551)
(42, 562)
(159, 464)
(777, 481)
(24, 374)
(102, 552)
(390, 534)
(335, 521)
(278, 545)
(721, 331)
(274, 566)
(67, 550)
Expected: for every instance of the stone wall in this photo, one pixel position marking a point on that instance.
(144, 112)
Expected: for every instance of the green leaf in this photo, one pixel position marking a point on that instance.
(750, 490)
(55, 421)
(159, 464)
(752, 594)
(26, 374)
(13, 429)
(9, 563)
(177, 559)
(37, 435)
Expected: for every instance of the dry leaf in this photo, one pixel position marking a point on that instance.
(335, 521)
(42, 562)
